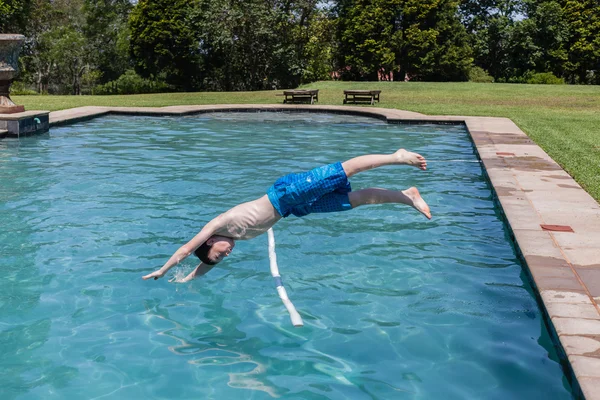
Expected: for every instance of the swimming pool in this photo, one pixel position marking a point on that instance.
(394, 306)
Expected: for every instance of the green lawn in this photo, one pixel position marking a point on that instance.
(564, 120)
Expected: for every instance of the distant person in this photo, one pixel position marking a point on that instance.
(321, 190)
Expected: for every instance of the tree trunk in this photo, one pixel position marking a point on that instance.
(38, 83)
(45, 78)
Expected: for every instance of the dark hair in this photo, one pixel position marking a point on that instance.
(202, 253)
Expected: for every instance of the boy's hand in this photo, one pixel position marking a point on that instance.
(155, 275)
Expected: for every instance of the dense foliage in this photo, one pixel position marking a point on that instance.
(122, 46)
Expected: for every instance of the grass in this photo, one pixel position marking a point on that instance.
(564, 120)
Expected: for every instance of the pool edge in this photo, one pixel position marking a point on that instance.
(537, 198)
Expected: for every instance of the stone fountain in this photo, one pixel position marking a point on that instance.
(14, 120)
(10, 47)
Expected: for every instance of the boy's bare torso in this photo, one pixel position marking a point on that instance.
(247, 220)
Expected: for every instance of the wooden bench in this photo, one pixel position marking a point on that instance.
(301, 96)
(361, 95)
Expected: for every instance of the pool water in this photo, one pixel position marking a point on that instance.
(395, 306)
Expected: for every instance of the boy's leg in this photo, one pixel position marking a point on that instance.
(409, 197)
(401, 157)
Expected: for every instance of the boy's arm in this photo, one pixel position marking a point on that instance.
(184, 251)
(199, 271)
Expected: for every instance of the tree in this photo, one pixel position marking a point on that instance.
(55, 50)
(366, 32)
(514, 38)
(223, 44)
(423, 40)
(489, 25)
(70, 55)
(39, 62)
(240, 45)
(319, 50)
(551, 36)
(14, 15)
(253, 44)
(523, 53)
(583, 21)
(107, 33)
(163, 42)
(433, 44)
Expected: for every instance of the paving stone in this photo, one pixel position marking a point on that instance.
(488, 151)
(567, 240)
(591, 279)
(519, 213)
(585, 366)
(536, 242)
(492, 163)
(553, 277)
(539, 179)
(502, 177)
(561, 198)
(590, 386)
(563, 296)
(583, 256)
(76, 114)
(507, 189)
(492, 125)
(576, 326)
(573, 310)
(586, 224)
(519, 139)
(481, 139)
(529, 181)
(520, 150)
(580, 345)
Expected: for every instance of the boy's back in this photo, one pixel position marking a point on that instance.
(247, 220)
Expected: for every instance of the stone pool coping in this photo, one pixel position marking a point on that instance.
(555, 223)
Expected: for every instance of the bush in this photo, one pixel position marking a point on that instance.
(516, 79)
(545, 78)
(20, 89)
(478, 74)
(132, 83)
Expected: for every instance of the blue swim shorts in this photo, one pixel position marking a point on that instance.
(320, 190)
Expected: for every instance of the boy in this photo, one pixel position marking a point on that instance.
(323, 189)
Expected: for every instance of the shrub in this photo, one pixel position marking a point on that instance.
(20, 89)
(132, 83)
(545, 78)
(518, 79)
(478, 74)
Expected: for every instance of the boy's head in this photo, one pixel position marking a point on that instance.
(214, 249)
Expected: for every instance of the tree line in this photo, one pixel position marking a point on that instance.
(120, 46)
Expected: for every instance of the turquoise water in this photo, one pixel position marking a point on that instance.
(395, 306)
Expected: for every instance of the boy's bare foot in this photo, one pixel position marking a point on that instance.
(417, 201)
(409, 158)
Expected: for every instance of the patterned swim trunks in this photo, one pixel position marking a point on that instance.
(320, 190)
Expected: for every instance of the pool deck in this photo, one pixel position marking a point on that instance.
(555, 223)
